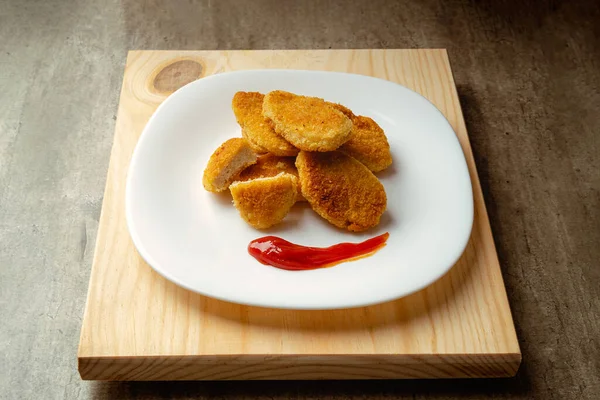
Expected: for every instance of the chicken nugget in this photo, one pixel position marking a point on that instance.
(345, 110)
(270, 165)
(255, 147)
(264, 202)
(226, 163)
(247, 107)
(309, 123)
(341, 190)
(368, 144)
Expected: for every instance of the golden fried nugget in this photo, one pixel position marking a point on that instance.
(270, 165)
(368, 144)
(345, 110)
(255, 147)
(341, 190)
(226, 163)
(264, 202)
(309, 123)
(247, 107)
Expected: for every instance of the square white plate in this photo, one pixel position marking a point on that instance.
(197, 239)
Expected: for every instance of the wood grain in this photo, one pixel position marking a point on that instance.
(138, 326)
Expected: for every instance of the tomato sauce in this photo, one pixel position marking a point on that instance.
(279, 253)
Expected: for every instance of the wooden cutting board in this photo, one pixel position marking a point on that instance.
(139, 326)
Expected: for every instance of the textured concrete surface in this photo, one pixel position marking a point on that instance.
(528, 74)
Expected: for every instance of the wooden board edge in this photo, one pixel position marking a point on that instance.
(478, 191)
(305, 367)
(103, 210)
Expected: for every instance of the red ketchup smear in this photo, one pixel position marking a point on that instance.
(272, 250)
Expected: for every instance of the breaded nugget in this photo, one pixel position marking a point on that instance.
(264, 202)
(226, 163)
(309, 123)
(341, 190)
(270, 165)
(368, 144)
(345, 110)
(247, 107)
(255, 147)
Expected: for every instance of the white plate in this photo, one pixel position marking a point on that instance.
(197, 239)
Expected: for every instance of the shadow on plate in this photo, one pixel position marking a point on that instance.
(389, 171)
